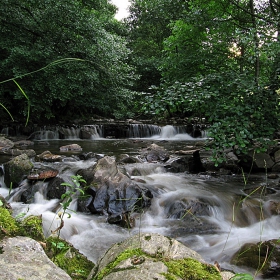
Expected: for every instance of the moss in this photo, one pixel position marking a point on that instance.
(186, 269)
(32, 227)
(190, 269)
(123, 256)
(68, 258)
(148, 237)
(8, 225)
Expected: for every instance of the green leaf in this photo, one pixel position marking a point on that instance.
(242, 276)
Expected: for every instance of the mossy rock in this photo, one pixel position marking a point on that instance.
(8, 225)
(153, 256)
(134, 264)
(29, 227)
(65, 256)
(263, 257)
(190, 269)
(32, 227)
(16, 169)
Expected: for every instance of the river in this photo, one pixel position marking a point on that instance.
(216, 236)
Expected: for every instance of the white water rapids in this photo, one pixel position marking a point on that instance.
(232, 224)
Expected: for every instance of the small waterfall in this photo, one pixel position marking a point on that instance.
(96, 131)
(168, 131)
(70, 132)
(143, 130)
(5, 131)
(4, 191)
(47, 135)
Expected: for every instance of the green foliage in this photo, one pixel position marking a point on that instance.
(8, 225)
(67, 197)
(35, 34)
(68, 258)
(217, 64)
(191, 269)
(148, 26)
(73, 187)
(242, 276)
(241, 116)
(122, 256)
(59, 245)
(32, 226)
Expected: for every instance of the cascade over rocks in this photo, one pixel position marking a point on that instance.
(113, 192)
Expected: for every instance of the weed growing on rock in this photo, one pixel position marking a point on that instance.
(67, 198)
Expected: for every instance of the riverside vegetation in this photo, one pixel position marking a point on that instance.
(216, 60)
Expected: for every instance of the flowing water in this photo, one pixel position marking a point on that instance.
(216, 235)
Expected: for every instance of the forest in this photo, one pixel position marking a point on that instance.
(217, 60)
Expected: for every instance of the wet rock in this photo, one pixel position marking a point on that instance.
(124, 220)
(42, 174)
(259, 191)
(85, 204)
(272, 176)
(266, 253)
(23, 143)
(55, 189)
(27, 192)
(187, 209)
(7, 147)
(256, 161)
(116, 193)
(4, 203)
(277, 156)
(5, 144)
(126, 159)
(71, 147)
(190, 163)
(24, 258)
(87, 156)
(177, 165)
(16, 169)
(88, 174)
(16, 152)
(155, 153)
(273, 207)
(49, 157)
(276, 167)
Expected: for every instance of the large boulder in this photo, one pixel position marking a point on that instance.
(24, 258)
(115, 194)
(155, 153)
(16, 169)
(5, 144)
(149, 256)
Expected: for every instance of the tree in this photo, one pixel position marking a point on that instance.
(148, 27)
(95, 80)
(217, 64)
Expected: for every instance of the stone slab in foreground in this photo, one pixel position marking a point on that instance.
(24, 258)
